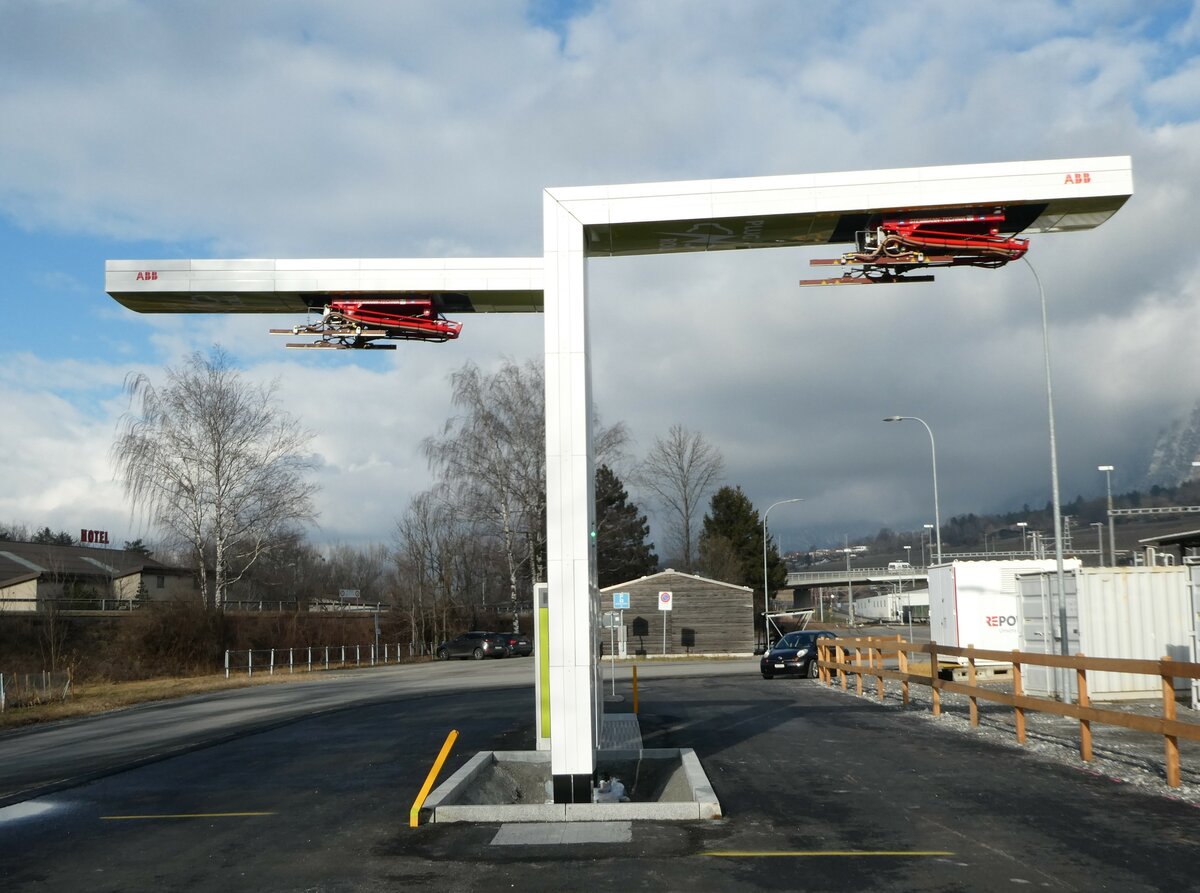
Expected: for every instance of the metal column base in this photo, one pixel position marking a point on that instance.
(572, 788)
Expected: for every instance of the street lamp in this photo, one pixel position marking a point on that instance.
(849, 588)
(937, 517)
(1112, 537)
(1099, 525)
(766, 582)
(927, 538)
(1054, 494)
(1022, 525)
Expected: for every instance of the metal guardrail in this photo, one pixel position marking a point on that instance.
(319, 657)
(23, 689)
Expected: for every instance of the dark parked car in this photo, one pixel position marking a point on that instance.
(477, 645)
(794, 655)
(518, 644)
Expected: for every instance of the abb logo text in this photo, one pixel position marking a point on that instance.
(1078, 179)
(147, 275)
(1001, 620)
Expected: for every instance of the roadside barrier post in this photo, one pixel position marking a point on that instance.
(226, 663)
(1085, 725)
(971, 682)
(635, 691)
(1172, 742)
(414, 813)
(1018, 693)
(935, 693)
(250, 662)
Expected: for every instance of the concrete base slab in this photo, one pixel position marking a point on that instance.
(662, 784)
(559, 833)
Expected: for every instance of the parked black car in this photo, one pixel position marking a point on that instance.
(518, 644)
(794, 655)
(475, 644)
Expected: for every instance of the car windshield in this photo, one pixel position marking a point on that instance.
(796, 640)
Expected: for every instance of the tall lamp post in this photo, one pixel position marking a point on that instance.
(928, 538)
(937, 517)
(1022, 525)
(766, 581)
(1058, 526)
(1112, 537)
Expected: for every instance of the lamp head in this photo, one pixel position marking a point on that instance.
(894, 418)
(1104, 468)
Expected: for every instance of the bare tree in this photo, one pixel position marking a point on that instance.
(680, 469)
(491, 460)
(211, 459)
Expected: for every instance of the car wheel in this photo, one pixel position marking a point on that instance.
(814, 672)
(477, 654)
(441, 654)
(768, 676)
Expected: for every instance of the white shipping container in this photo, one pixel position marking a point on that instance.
(1137, 613)
(890, 606)
(976, 603)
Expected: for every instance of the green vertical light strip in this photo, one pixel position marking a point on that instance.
(544, 667)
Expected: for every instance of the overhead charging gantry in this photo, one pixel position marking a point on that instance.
(901, 222)
(891, 250)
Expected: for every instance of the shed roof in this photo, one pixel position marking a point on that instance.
(670, 573)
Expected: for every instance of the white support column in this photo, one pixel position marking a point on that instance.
(574, 598)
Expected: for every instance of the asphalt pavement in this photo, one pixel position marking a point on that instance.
(821, 790)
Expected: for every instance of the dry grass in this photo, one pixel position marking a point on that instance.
(98, 697)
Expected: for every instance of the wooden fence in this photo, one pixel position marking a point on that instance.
(869, 655)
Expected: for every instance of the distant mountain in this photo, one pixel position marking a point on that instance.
(1176, 448)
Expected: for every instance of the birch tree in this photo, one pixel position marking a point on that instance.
(212, 460)
(680, 469)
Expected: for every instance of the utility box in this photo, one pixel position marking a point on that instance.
(975, 602)
(1136, 613)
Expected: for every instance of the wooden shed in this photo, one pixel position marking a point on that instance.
(705, 616)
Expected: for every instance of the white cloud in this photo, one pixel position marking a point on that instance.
(366, 129)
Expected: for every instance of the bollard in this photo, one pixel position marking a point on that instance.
(226, 663)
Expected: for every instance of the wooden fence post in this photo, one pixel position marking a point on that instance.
(1085, 725)
(858, 670)
(971, 682)
(841, 656)
(1018, 692)
(1168, 693)
(903, 656)
(879, 667)
(934, 693)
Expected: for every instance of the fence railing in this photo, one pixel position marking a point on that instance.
(24, 689)
(114, 603)
(320, 657)
(869, 655)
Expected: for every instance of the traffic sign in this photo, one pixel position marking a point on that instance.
(664, 601)
(620, 601)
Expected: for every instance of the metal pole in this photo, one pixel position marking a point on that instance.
(849, 586)
(766, 582)
(1058, 531)
(1099, 525)
(1112, 536)
(937, 515)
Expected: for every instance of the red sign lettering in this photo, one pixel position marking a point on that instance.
(1078, 179)
(147, 275)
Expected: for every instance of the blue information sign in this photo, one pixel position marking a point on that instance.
(620, 601)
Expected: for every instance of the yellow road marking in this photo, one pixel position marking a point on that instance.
(185, 815)
(759, 854)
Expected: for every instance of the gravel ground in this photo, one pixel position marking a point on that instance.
(1119, 754)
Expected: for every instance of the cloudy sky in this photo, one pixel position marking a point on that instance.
(409, 129)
